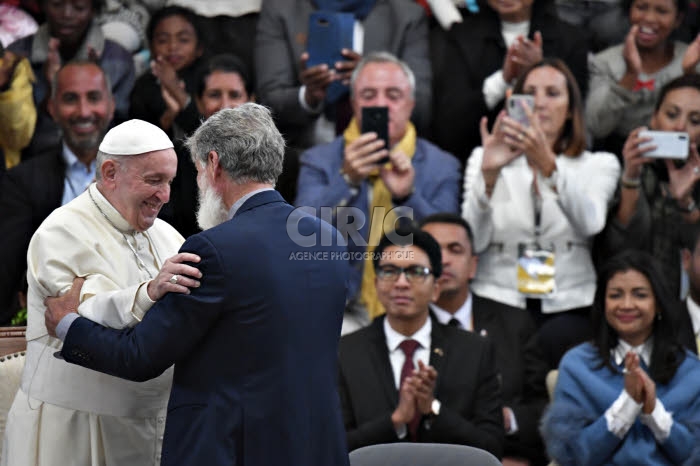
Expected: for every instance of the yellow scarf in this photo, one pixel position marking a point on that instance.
(17, 114)
(380, 205)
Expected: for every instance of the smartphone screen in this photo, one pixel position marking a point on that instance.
(669, 144)
(376, 119)
(516, 110)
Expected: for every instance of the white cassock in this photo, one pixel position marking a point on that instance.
(66, 415)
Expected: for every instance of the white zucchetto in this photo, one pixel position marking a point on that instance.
(135, 137)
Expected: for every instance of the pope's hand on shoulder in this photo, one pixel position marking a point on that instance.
(175, 276)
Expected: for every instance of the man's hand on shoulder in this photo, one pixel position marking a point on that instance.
(58, 307)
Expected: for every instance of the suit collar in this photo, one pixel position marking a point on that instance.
(481, 316)
(257, 199)
(439, 348)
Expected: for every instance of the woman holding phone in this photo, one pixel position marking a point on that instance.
(535, 198)
(657, 196)
(630, 396)
(625, 80)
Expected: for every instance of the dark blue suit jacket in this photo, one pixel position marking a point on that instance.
(255, 347)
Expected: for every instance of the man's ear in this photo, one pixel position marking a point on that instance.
(213, 165)
(436, 291)
(108, 170)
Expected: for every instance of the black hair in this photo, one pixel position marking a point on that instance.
(227, 63)
(681, 6)
(410, 235)
(168, 11)
(452, 219)
(687, 80)
(667, 353)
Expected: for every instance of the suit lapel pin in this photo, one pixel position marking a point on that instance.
(483, 332)
(438, 351)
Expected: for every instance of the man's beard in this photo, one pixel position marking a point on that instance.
(212, 211)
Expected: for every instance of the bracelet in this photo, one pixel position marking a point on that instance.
(627, 183)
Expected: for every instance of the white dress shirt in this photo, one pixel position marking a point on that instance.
(463, 314)
(396, 354)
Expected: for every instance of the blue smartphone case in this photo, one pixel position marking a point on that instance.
(329, 33)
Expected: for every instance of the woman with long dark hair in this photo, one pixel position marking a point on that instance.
(631, 395)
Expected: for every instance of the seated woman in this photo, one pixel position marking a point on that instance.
(657, 197)
(223, 81)
(631, 396)
(162, 97)
(535, 198)
(626, 79)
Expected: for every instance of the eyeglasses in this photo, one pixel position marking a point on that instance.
(414, 273)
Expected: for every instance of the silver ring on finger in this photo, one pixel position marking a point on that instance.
(521, 136)
(696, 170)
(174, 279)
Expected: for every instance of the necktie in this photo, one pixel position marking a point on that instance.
(453, 323)
(697, 343)
(409, 347)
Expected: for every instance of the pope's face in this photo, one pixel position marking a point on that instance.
(142, 186)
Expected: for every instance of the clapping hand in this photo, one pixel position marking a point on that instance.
(630, 53)
(682, 180)
(638, 384)
(522, 53)
(691, 57)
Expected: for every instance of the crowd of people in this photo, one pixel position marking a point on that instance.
(485, 242)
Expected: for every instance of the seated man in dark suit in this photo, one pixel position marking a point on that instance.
(689, 332)
(453, 394)
(518, 356)
(82, 106)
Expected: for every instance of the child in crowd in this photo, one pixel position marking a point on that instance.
(163, 96)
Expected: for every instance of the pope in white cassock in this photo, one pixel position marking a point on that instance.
(63, 414)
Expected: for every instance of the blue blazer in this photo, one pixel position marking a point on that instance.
(255, 347)
(321, 184)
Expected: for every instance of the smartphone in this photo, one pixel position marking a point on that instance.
(515, 109)
(329, 33)
(376, 119)
(669, 144)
